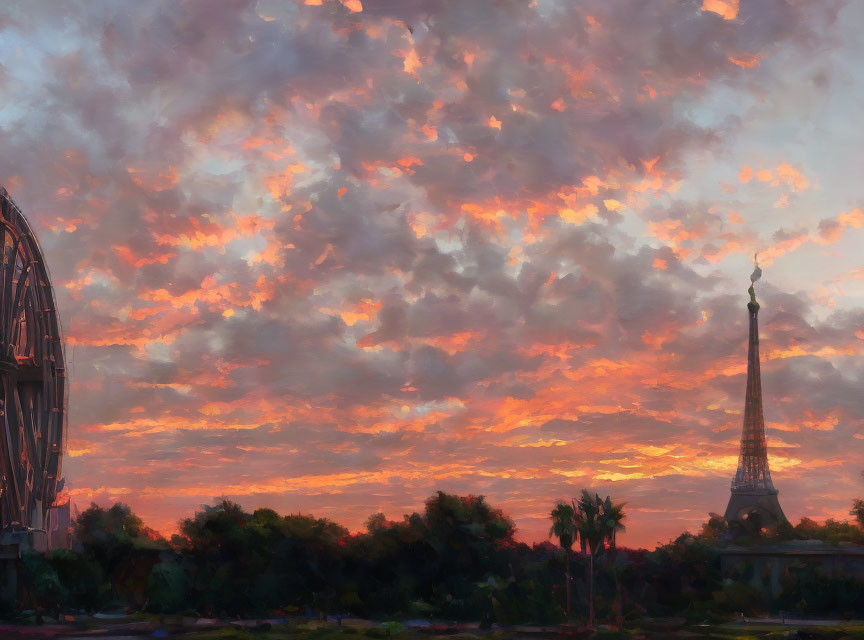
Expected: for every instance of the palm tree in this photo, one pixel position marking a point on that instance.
(613, 515)
(598, 522)
(591, 534)
(564, 528)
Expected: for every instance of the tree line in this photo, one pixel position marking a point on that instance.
(457, 559)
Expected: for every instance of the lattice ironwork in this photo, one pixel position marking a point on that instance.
(32, 377)
(754, 498)
(753, 472)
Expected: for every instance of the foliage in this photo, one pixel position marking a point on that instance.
(680, 574)
(41, 586)
(87, 587)
(456, 559)
(831, 531)
(818, 591)
(125, 550)
(564, 524)
(168, 588)
(565, 528)
(858, 511)
(597, 523)
(736, 597)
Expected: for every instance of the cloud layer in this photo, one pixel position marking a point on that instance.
(333, 256)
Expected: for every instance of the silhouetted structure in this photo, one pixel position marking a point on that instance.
(753, 492)
(32, 379)
(767, 567)
(61, 526)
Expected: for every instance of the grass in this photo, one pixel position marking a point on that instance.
(742, 632)
(327, 632)
(223, 634)
(320, 631)
(757, 631)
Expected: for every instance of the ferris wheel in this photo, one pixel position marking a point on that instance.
(32, 378)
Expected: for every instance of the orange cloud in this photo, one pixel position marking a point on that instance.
(748, 62)
(783, 174)
(279, 184)
(787, 174)
(728, 9)
(215, 294)
(200, 234)
(352, 5)
(580, 215)
(153, 179)
(126, 255)
(364, 311)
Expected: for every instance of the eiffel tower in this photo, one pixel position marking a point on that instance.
(753, 492)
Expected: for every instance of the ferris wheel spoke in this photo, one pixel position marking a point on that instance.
(27, 397)
(8, 281)
(26, 343)
(32, 376)
(12, 457)
(4, 234)
(22, 286)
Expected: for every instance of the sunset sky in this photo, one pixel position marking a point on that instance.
(333, 256)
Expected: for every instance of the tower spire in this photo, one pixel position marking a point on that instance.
(752, 488)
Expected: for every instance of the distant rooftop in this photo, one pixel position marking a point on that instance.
(797, 547)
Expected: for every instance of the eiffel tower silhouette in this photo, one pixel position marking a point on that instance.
(753, 492)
